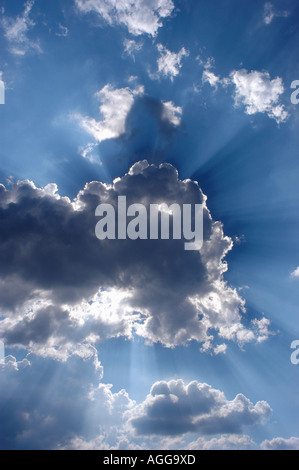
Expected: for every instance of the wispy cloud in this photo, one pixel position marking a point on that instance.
(270, 13)
(139, 17)
(16, 31)
(87, 152)
(63, 31)
(169, 63)
(210, 77)
(131, 46)
(295, 274)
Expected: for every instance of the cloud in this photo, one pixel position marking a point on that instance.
(16, 31)
(58, 296)
(225, 442)
(66, 405)
(60, 332)
(131, 46)
(88, 153)
(210, 77)
(63, 31)
(172, 113)
(140, 16)
(60, 403)
(262, 326)
(259, 94)
(279, 443)
(123, 110)
(169, 63)
(270, 13)
(100, 443)
(116, 103)
(174, 408)
(295, 274)
(254, 90)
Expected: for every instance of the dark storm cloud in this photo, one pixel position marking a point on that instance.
(46, 242)
(50, 253)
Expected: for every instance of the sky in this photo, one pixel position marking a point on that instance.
(140, 344)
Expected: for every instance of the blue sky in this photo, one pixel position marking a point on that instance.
(142, 345)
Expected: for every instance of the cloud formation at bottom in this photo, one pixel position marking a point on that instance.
(174, 408)
(64, 293)
(67, 405)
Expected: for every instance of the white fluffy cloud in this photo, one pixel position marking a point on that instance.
(279, 443)
(174, 408)
(16, 31)
(116, 103)
(259, 94)
(139, 16)
(169, 63)
(254, 90)
(172, 113)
